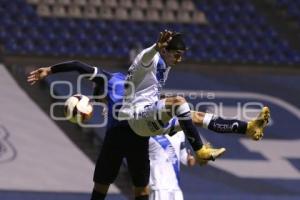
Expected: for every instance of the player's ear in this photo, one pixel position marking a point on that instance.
(163, 51)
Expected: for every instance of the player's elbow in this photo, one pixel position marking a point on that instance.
(74, 62)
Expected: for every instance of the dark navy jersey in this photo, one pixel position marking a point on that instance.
(115, 94)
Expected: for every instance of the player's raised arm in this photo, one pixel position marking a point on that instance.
(78, 66)
(149, 53)
(73, 65)
(38, 75)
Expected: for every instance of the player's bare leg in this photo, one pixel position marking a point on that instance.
(198, 117)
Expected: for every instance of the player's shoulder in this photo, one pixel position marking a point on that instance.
(140, 55)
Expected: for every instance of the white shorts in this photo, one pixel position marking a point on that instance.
(150, 120)
(166, 195)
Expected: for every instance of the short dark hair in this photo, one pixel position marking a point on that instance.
(176, 43)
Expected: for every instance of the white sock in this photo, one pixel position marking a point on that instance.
(183, 109)
(207, 118)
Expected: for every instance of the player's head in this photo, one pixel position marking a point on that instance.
(173, 53)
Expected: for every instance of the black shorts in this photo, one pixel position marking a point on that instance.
(121, 142)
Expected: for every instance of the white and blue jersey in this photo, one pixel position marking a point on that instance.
(142, 97)
(144, 84)
(115, 94)
(165, 154)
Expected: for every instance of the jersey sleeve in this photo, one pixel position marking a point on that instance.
(82, 68)
(98, 76)
(73, 65)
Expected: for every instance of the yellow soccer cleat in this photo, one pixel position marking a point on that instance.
(255, 127)
(207, 153)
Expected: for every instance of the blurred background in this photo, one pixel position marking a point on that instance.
(240, 51)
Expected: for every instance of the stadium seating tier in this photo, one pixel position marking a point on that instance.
(234, 33)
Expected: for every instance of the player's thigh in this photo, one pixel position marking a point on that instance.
(153, 111)
(137, 155)
(151, 120)
(109, 160)
(150, 127)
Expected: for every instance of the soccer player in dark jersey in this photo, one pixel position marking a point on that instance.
(120, 141)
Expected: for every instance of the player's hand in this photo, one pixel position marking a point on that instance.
(164, 38)
(191, 161)
(38, 75)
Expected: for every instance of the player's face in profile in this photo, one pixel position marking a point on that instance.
(173, 57)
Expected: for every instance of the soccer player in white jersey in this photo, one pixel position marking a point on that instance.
(122, 132)
(149, 115)
(165, 154)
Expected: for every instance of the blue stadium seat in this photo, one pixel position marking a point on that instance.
(236, 33)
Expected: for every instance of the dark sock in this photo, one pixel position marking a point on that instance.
(221, 125)
(183, 114)
(97, 195)
(144, 197)
(191, 133)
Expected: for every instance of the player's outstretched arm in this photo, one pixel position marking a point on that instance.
(73, 65)
(78, 66)
(38, 75)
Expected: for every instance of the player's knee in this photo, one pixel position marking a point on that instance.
(102, 188)
(178, 100)
(198, 117)
(141, 191)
